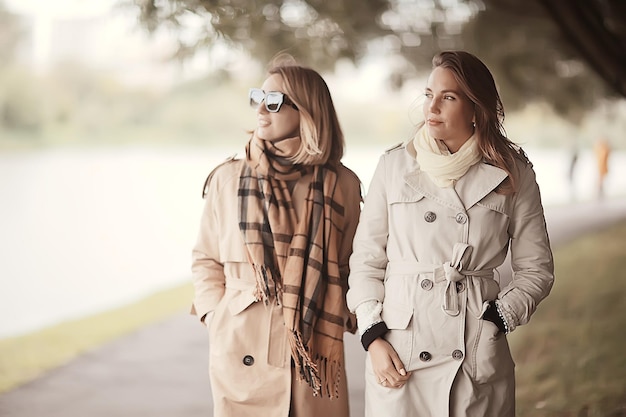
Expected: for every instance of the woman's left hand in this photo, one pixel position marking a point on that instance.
(387, 365)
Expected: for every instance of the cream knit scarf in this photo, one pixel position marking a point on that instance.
(444, 168)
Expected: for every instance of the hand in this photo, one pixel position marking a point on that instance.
(387, 365)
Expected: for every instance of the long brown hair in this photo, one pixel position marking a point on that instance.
(476, 81)
(320, 131)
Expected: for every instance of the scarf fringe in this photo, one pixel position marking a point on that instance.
(265, 283)
(322, 374)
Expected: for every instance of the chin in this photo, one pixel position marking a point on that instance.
(434, 132)
(263, 135)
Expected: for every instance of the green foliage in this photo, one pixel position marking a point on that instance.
(20, 107)
(75, 106)
(569, 360)
(520, 42)
(315, 31)
(72, 104)
(530, 60)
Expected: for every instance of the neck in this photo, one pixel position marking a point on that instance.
(454, 145)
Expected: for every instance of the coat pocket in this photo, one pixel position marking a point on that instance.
(400, 334)
(240, 301)
(492, 359)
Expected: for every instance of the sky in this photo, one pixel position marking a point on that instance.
(60, 8)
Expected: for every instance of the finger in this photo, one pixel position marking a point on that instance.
(395, 385)
(397, 363)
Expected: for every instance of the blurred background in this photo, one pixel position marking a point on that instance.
(112, 113)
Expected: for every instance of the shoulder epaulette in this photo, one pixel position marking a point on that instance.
(394, 147)
(228, 160)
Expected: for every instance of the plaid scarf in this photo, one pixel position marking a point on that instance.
(295, 258)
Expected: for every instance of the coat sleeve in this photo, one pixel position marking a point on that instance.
(207, 270)
(351, 189)
(531, 255)
(369, 257)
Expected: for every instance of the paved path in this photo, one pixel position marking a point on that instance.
(160, 370)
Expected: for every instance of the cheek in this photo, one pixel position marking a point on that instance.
(293, 125)
(469, 113)
(461, 118)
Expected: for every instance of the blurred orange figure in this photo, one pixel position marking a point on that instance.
(602, 151)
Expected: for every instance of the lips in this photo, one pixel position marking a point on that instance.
(433, 122)
(263, 122)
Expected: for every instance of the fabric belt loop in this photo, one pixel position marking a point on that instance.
(453, 275)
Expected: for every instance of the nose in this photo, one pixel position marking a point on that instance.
(261, 109)
(433, 105)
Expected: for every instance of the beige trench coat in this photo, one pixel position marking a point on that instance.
(410, 228)
(249, 357)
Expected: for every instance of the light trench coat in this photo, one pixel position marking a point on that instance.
(428, 254)
(250, 366)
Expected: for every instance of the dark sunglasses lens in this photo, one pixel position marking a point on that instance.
(273, 101)
(256, 97)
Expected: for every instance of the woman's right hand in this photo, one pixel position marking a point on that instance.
(386, 364)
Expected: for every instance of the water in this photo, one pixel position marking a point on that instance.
(83, 231)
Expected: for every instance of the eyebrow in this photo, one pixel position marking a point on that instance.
(446, 91)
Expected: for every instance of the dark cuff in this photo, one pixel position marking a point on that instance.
(373, 333)
(492, 315)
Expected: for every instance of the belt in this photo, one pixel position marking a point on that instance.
(451, 272)
(240, 284)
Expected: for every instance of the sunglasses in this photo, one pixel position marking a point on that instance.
(273, 100)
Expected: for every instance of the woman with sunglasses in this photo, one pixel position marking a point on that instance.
(270, 264)
(441, 213)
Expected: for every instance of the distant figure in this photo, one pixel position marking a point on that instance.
(573, 160)
(602, 151)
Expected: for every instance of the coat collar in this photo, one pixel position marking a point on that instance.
(472, 187)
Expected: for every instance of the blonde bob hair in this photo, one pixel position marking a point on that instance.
(321, 136)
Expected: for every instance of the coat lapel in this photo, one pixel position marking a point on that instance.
(418, 180)
(472, 187)
(480, 180)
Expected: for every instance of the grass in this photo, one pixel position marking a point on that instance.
(570, 358)
(23, 358)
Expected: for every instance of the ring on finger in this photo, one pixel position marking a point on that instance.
(383, 381)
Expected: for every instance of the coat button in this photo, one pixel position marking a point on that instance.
(461, 218)
(460, 286)
(457, 354)
(248, 360)
(426, 284)
(430, 216)
(425, 356)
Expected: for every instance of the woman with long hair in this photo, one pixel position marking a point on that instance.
(441, 214)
